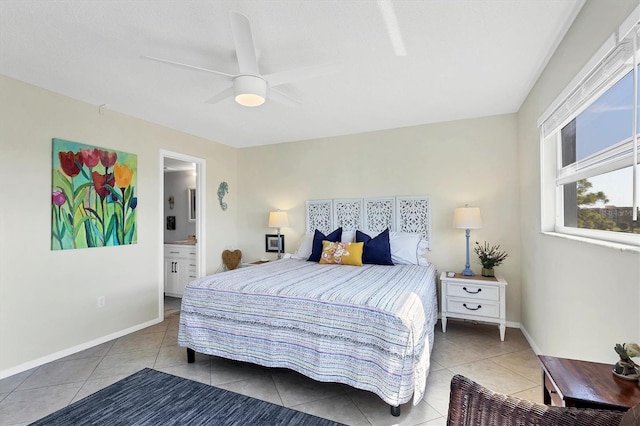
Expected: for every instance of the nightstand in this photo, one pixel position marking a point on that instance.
(254, 262)
(475, 298)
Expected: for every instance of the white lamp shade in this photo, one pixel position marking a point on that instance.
(278, 219)
(467, 218)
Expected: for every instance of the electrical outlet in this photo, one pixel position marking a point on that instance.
(101, 301)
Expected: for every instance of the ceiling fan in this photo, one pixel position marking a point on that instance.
(249, 87)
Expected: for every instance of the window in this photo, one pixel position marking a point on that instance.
(590, 144)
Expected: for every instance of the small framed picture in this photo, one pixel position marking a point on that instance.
(271, 243)
(171, 223)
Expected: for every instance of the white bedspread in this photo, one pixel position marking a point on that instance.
(370, 327)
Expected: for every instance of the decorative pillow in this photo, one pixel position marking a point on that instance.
(421, 252)
(408, 249)
(342, 253)
(231, 259)
(304, 250)
(377, 250)
(318, 237)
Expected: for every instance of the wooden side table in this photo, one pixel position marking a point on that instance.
(474, 298)
(254, 262)
(583, 384)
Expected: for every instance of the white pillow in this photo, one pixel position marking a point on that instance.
(408, 249)
(305, 248)
(373, 234)
(348, 237)
(421, 252)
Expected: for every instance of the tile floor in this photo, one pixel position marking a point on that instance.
(470, 349)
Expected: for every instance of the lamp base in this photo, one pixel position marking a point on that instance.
(279, 246)
(467, 272)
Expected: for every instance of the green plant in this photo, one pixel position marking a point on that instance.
(490, 256)
(627, 350)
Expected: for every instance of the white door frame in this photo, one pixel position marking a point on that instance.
(201, 212)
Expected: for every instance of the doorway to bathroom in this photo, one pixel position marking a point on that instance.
(183, 222)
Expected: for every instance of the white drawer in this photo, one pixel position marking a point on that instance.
(480, 308)
(473, 291)
(174, 250)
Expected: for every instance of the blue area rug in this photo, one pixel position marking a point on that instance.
(150, 397)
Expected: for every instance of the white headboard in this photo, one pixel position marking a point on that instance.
(402, 214)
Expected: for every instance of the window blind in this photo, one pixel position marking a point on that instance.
(617, 63)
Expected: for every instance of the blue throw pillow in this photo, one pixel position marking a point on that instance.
(377, 250)
(318, 237)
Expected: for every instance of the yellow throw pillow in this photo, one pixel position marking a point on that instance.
(342, 253)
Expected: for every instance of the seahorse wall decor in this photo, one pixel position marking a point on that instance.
(223, 190)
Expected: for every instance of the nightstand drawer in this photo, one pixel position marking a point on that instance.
(473, 291)
(480, 308)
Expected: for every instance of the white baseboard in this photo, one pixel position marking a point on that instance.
(511, 324)
(72, 350)
(533, 345)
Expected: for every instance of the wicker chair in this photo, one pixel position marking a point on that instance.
(472, 404)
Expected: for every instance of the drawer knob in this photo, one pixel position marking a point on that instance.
(471, 309)
(472, 292)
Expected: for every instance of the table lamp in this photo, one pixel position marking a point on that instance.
(278, 219)
(467, 218)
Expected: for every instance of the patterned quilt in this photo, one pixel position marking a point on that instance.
(370, 327)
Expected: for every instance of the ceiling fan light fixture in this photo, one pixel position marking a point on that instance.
(250, 90)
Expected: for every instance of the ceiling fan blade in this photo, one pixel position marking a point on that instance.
(297, 74)
(280, 97)
(220, 96)
(245, 49)
(192, 67)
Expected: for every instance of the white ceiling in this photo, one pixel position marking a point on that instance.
(464, 59)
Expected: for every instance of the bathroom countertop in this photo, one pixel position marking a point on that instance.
(188, 242)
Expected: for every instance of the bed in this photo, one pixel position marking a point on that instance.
(370, 327)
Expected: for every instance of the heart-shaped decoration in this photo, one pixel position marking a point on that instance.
(231, 259)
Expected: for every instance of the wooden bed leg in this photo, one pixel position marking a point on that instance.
(395, 410)
(191, 356)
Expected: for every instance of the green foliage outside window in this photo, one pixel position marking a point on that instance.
(590, 217)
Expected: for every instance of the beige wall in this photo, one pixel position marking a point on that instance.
(578, 299)
(469, 161)
(48, 299)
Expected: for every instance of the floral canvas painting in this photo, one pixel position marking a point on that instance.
(93, 199)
